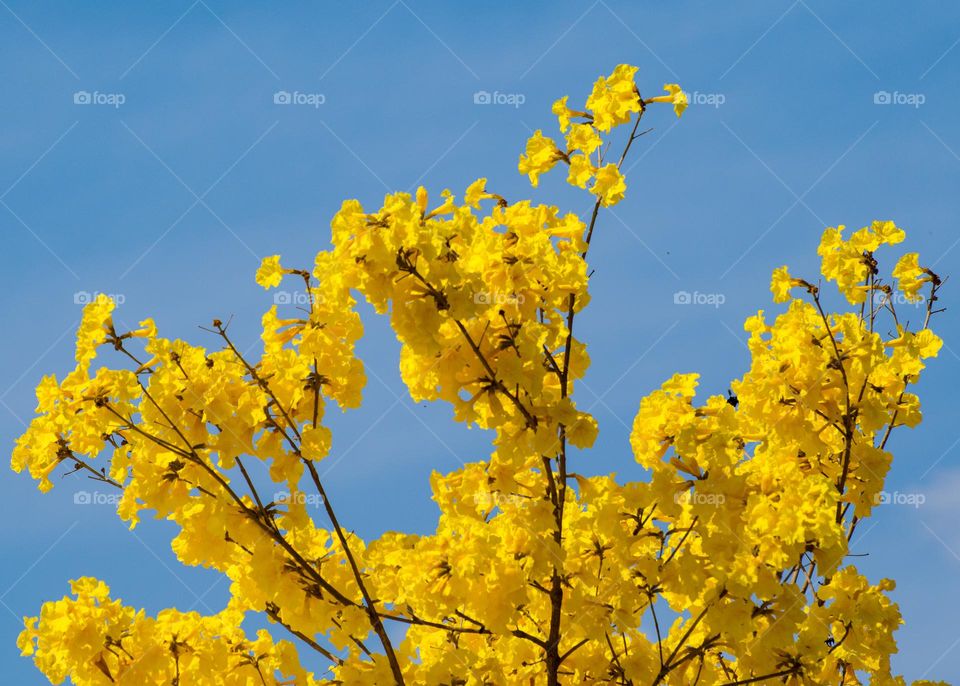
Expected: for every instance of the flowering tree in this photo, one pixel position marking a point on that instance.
(727, 566)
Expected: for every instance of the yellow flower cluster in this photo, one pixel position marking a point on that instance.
(477, 300)
(848, 263)
(726, 564)
(93, 640)
(614, 101)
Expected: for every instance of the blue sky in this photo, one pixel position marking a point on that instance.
(182, 171)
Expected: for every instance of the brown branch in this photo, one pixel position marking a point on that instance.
(670, 665)
(371, 610)
(682, 540)
(553, 659)
(479, 629)
(368, 604)
(753, 680)
(195, 458)
(273, 612)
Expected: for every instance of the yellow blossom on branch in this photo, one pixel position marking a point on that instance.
(539, 569)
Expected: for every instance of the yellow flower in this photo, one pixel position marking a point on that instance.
(539, 158)
(609, 185)
(582, 432)
(848, 263)
(316, 443)
(888, 232)
(780, 284)
(422, 199)
(843, 263)
(910, 276)
(148, 329)
(927, 343)
(564, 113)
(869, 238)
(581, 171)
(614, 98)
(476, 192)
(446, 207)
(94, 326)
(584, 138)
(676, 97)
(684, 385)
(270, 272)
